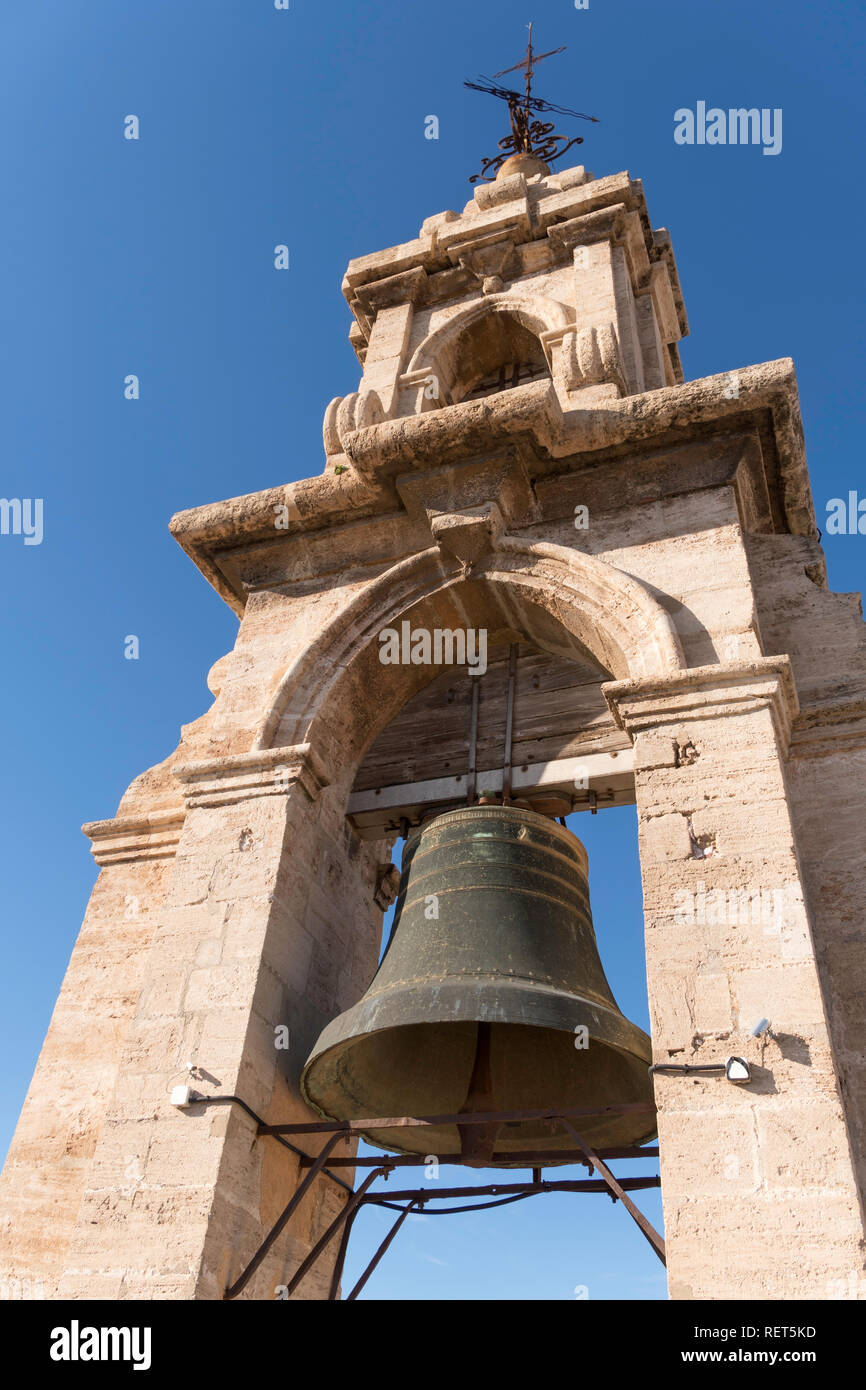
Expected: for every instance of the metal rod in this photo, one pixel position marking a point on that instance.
(472, 778)
(529, 1156)
(341, 1255)
(509, 722)
(282, 1220)
(428, 1121)
(646, 1227)
(380, 1252)
(469, 1206)
(306, 1159)
(353, 1202)
(504, 1188)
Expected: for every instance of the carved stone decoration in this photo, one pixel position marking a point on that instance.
(345, 414)
(486, 264)
(387, 885)
(469, 534)
(591, 357)
(489, 493)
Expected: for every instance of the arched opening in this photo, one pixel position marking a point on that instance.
(495, 354)
(491, 345)
(558, 710)
(561, 599)
(561, 606)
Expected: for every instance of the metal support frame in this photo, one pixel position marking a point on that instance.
(285, 1216)
(416, 1199)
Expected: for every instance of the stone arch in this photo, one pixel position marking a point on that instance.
(495, 329)
(328, 696)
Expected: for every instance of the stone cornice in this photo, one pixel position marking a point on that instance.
(262, 772)
(708, 692)
(835, 723)
(211, 782)
(766, 401)
(526, 210)
(127, 838)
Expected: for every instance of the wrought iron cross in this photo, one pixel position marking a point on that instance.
(528, 135)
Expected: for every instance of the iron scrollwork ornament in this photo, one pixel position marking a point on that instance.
(529, 135)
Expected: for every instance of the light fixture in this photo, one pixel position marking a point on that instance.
(738, 1070)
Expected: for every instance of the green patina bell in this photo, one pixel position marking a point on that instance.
(490, 984)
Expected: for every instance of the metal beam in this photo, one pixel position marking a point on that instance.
(618, 1190)
(482, 1118)
(348, 1212)
(529, 1159)
(282, 1220)
(609, 774)
(380, 1252)
(502, 1189)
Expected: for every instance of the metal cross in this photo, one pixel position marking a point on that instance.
(528, 135)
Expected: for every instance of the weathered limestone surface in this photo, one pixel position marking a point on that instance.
(728, 943)
(519, 366)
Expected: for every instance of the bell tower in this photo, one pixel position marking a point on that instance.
(523, 483)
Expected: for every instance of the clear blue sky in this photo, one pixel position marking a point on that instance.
(156, 257)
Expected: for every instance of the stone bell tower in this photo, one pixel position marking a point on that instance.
(521, 459)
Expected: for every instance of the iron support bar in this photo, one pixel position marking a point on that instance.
(341, 1255)
(430, 1121)
(282, 1220)
(503, 1189)
(646, 1227)
(306, 1159)
(380, 1252)
(530, 1159)
(472, 777)
(351, 1206)
(509, 723)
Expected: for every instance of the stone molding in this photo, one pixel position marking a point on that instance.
(708, 692)
(243, 776)
(126, 838)
(211, 782)
(552, 442)
(832, 725)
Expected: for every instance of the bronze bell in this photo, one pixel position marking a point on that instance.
(490, 975)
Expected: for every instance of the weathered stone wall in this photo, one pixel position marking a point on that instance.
(698, 584)
(53, 1146)
(759, 1188)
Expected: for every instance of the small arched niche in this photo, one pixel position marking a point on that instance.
(490, 345)
(495, 353)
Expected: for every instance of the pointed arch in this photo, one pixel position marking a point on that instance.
(597, 607)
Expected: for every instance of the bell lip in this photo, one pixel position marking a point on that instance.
(514, 1161)
(468, 1001)
(393, 1144)
(623, 1036)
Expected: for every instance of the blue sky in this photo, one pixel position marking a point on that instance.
(155, 257)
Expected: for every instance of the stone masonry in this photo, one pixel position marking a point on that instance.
(519, 362)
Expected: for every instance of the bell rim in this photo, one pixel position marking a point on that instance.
(624, 1036)
(376, 1137)
(419, 995)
